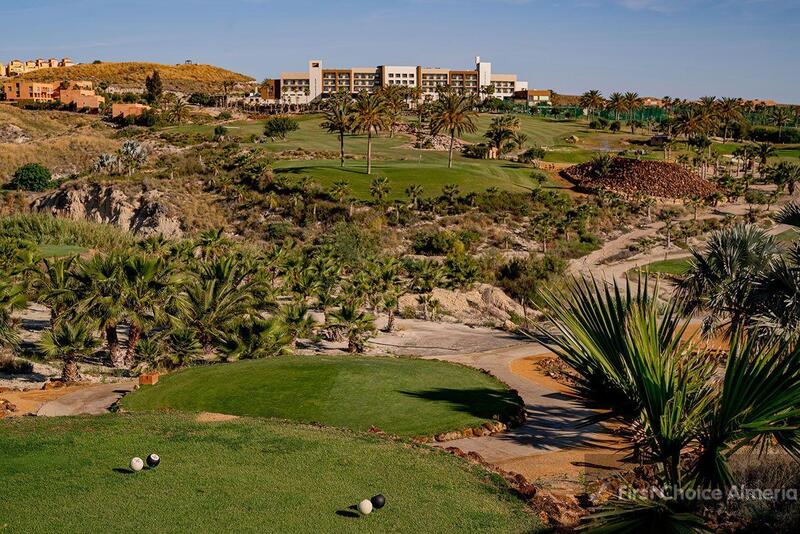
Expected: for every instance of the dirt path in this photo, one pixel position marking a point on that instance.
(90, 400)
(595, 262)
(552, 447)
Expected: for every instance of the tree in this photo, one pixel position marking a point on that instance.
(356, 324)
(592, 101)
(69, 341)
(722, 278)
(255, 339)
(379, 189)
(54, 285)
(31, 177)
(369, 116)
(221, 293)
(616, 103)
(154, 88)
(414, 192)
(785, 174)
(395, 98)
(12, 298)
(729, 111)
(338, 119)
(502, 130)
(148, 285)
(780, 117)
(101, 295)
(280, 126)
(452, 113)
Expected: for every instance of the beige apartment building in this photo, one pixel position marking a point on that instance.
(73, 92)
(16, 67)
(318, 82)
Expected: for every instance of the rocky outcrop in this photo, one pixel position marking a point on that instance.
(11, 133)
(483, 304)
(144, 215)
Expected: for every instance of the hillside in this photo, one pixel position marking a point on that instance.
(184, 78)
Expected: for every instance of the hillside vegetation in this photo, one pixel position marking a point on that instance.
(184, 78)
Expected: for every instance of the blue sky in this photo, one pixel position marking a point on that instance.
(685, 48)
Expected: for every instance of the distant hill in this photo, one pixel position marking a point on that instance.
(183, 78)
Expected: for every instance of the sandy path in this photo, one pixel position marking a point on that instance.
(90, 400)
(552, 444)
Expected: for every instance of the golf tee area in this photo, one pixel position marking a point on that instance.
(269, 469)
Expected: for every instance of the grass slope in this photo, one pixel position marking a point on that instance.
(186, 78)
(70, 475)
(402, 396)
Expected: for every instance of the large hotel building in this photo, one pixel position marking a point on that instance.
(304, 87)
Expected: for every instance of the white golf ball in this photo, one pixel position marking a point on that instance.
(137, 464)
(365, 507)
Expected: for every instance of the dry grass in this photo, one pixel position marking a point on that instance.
(38, 124)
(184, 78)
(62, 155)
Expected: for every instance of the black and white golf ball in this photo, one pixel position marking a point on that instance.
(153, 460)
(378, 501)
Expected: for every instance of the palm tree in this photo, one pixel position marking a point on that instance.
(764, 151)
(592, 101)
(12, 298)
(453, 113)
(102, 295)
(149, 285)
(297, 321)
(729, 111)
(222, 293)
(356, 324)
(379, 189)
(69, 341)
(338, 119)
(414, 192)
(616, 103)
(395, 98)
(502, 130)
(255, 339)
(369, 115)
(785, 174)
(54, 285)
(689, 123)
(632, 102)
(722, 278)
(780, 117)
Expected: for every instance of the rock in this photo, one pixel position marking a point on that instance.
(145, 215)
(448, 436)
(52, 384)
(480, 305)
(11, 133)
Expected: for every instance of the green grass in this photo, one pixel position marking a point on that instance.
(676, 266)
(52, 251)
(402, 396)
(248, 475)
(404, 165)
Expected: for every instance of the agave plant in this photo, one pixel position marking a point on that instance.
(632, 357)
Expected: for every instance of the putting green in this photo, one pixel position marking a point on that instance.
(247, 475)
(403, 396)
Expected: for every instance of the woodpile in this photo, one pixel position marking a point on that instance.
(633, 177)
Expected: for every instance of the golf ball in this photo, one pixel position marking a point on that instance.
(378, 501)
(136, 464)
(153, 460)
(365, 507)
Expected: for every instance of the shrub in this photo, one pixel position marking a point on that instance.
(31, 177)
(220, 132)
(280, 127)
(225, 116)
(522, 279)
(532, 154)
(12, 366)
(479, 151)
(769, 134)
(147, 119)
(440, 243)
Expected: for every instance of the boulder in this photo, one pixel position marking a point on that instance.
(480, 305)
(145, 215)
